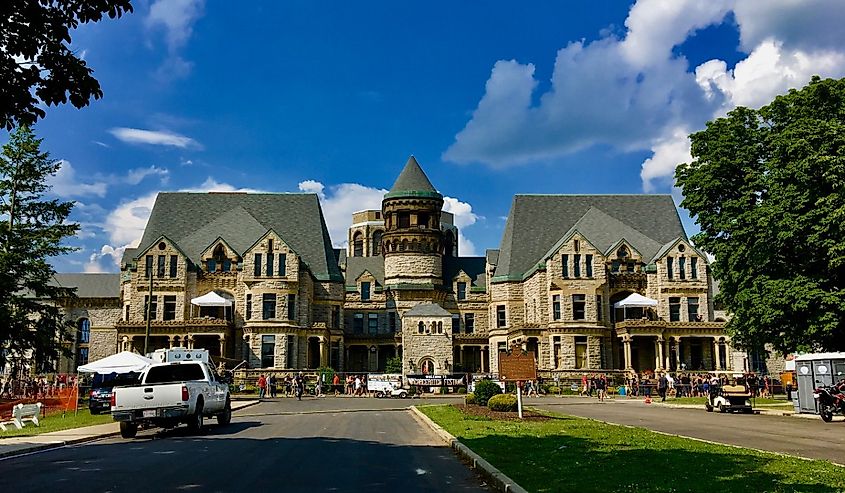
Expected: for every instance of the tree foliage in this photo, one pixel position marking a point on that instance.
(393, 365)
(767, 188)
(36, 61)
(32, 228)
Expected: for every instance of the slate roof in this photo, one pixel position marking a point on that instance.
(427, 310)
(412, 179)
(90, 285)
(537, 222)
(473, 266)
(195, 220)
(355, 266)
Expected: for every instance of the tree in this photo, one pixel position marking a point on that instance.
(36, 62)
(32, 229)
(767, 188)
(393, 365)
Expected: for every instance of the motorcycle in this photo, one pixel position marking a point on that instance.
(830, 400)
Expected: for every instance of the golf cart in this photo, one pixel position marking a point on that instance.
(729, 398)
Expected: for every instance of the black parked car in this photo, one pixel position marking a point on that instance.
(99, 398)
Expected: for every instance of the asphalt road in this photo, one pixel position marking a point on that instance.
(810, 438)
(268, 447)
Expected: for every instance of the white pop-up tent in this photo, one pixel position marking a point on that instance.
(212, 299)
(117, 363)
(634, 300)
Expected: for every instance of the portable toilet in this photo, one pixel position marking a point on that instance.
(817, 370)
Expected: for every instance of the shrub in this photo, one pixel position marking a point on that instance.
(470, 399)
(553, 389)
(502, 403)
(484, 390)
(462, 390)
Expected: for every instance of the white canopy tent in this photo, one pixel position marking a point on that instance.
(212, 299)
(634, 300)
(117, 363)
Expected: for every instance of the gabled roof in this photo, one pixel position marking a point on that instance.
(473, 267)
(427, 310)
(537, 222)
(668, 246)
(211, 247)
(193, 221)
(355, 266)
(90, 285)
(412, 180)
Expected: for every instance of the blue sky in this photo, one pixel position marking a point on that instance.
(493, 99)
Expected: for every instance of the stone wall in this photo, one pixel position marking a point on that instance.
(415, 268)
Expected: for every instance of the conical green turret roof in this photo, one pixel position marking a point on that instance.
(413, 181)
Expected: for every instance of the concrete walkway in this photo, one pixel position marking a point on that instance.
(15, 446)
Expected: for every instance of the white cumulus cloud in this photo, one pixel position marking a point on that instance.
(153, 137)
(66, 183)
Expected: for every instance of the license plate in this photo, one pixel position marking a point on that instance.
(150, 413)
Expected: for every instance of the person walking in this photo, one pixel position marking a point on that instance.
(271, 384)
(299, 385)
(662, 386)
(262, 386)
(336, 384)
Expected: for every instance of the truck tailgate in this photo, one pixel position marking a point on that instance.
(148, 397)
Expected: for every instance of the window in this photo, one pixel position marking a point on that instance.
(227, 265)
(358, 245)
(174, 261)
(126, 315)
(283, 258)
(391, 321)
(270, 270)
(174, 373)
(365, 291)
(83, 332)
(268, 306)
(422, 220)
(291, 307)
(576, 265)
(358, 323)
(614, 267)
(692, 309)
(160, 270)
(335, 316)
(469, 323)
(693, 265)
(670, 267)
(404, 220)
(291, 354)
(420, 328)
(170, 308)
(599, 308)
(372, 323)
(268, 346)
(682, 264)
(576, 245)
(580, 352)
(249, 307)
(211, 265)
(151, 306)
(674, 309)
(377, 243)
(500, 316)
(82, 356)
(148, 266)
(462, 290)
(564, 265)
(578, 304)
(589, 265)
(257, 270)
(456, 323)
(556, 307)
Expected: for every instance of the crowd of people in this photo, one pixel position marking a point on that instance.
(34, 387)
(295, 385)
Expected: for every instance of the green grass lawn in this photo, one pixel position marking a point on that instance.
(55, 422)
(582, 455)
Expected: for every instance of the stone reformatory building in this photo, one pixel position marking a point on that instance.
(402, 289)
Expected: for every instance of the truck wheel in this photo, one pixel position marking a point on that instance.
(196, 421)
(225, 417)
(403, 395)
(128, 430)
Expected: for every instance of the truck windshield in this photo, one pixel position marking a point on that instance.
(174, 373)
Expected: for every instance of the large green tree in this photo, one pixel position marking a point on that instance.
(767, 188)
(32, 228)
(36, 61)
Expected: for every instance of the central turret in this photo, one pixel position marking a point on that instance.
(413, 240)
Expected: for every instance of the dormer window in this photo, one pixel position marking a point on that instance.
(622, 252)
(365, 291)
(462, 290)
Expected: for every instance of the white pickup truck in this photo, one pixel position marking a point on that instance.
(170, 394)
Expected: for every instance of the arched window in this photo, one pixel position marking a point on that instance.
(622, 252)
(403, 246)
(358, 245)
(449, 244)
(439, 327)
(421, 328)
(83, 331)
(377, 242)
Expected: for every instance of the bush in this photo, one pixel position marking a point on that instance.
(462, 390)
(502, 403)
(484, 390)
(553, 389)
(470, 399)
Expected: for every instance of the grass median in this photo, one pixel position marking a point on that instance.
(57, 422)
(567, 453)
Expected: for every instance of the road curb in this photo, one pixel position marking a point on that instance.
(496, 477)
(76, 441)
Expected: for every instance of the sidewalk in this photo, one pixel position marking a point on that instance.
(15, 446)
